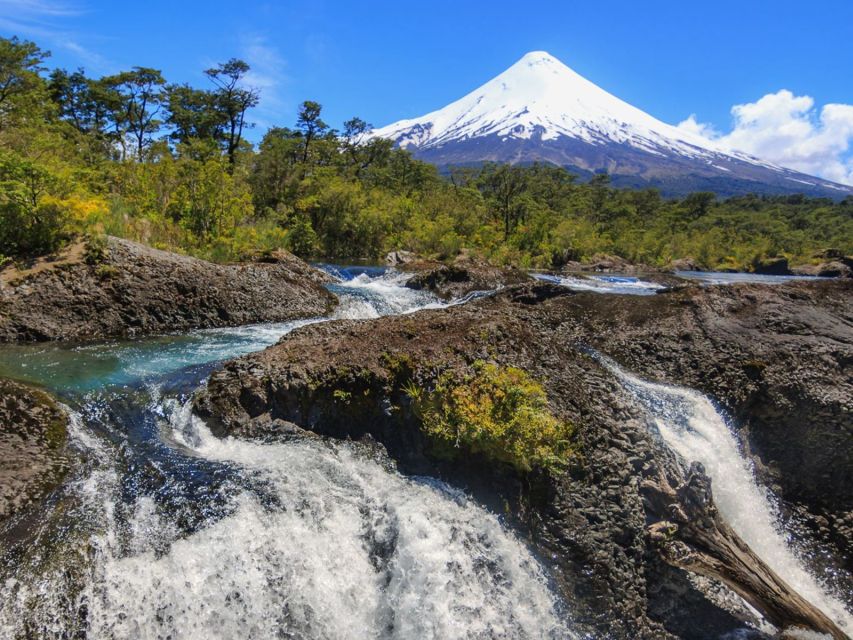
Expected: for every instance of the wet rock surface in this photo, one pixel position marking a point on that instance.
(32, 446)
(464, 275)
(777, 358)
(135, 290)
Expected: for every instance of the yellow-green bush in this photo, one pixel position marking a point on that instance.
(500, 412)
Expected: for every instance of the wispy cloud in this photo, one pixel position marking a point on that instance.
(791, 131)
(46, 22)
(40, 8)
(268, 74)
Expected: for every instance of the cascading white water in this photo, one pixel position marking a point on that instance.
(346, 548)
(628, 285)
(293, 540)
(690, 425)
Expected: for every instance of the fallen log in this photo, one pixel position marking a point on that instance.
(691, 535)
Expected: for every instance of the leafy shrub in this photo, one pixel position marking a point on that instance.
(31, 232)
(96, 249)
(501, 412)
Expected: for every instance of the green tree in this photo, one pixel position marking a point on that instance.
(194, 114)
(696, 205)
(233, 101)
(504, 186)
(20, 82)
(28, 224)
(360, 150)
(310, 124)
(136, 98)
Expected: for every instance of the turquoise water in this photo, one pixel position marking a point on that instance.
(77, 369)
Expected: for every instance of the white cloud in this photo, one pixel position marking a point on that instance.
(790, 131)
(41, 20)
(34, 8)
(696, 128)
(267, 74)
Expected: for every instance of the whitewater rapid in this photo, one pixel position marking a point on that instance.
(169, 532)
(691, 426)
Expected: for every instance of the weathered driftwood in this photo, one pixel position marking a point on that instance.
(693, 536)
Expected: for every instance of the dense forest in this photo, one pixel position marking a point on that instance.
(135, 156)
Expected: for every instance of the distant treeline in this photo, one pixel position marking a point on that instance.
(168, 165)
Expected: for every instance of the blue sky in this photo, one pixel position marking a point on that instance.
(387, 60)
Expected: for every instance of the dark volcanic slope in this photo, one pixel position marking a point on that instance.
(137, 290)
(674, 175)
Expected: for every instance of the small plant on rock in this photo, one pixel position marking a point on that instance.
(96, 250)
(500, 412)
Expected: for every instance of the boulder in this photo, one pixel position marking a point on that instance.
(464, 275)
(603, 263)
(399, 258)
(32, 446)
(684, 264)
(131, 290)
(832, 269)
(772, 267)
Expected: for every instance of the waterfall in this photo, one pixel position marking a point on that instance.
(169, 532)
(690, 425)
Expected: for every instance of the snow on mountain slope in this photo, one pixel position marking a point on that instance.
(540, 109)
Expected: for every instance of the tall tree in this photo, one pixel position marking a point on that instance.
(310, 124)
(360, 149)
(600, 188)
(504, 185)
(233, 100)
(81, 101)
(696, 205)
(194, 114)
(275, 171)
(20, 65)
(137, 98)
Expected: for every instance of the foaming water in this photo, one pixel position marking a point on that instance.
(336, 546)
(164, 531)
(604, 284)
(720, 277)
(690, 425)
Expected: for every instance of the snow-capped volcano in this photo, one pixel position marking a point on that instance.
(541, 110)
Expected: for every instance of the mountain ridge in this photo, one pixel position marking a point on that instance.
(540, 110)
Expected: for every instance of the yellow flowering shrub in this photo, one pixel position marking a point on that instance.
(501, 412)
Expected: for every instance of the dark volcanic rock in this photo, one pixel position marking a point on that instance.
(32, 444)
(137, 290)
(773, 267)
(840, 268)
(777, 357)
(465, 275)
(602, 263)
(725, 340)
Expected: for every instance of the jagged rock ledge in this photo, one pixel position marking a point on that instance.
(465, 274)
(774, 356)
(33, 430)
(127, 289)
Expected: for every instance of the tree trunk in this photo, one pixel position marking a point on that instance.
(693, 536)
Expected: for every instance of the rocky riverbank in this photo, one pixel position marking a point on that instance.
(774, 356)
(32, 446)
(126, 289)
